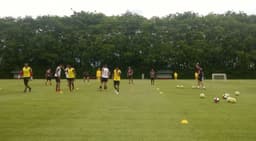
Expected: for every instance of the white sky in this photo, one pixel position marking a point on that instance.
(147, 8)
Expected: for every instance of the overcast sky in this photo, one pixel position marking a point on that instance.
(147, 8)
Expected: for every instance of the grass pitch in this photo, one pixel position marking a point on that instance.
(140, 113)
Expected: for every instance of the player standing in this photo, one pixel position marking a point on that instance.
(71, 77)
(152, 74)
(175, 75)
(130, 75)
(104, 77)
(48, 76)
(98, 74)
(27, 75)
(200, 78)
(57, 76)
(86, 76)
(117, 78)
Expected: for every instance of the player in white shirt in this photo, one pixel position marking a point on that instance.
(57, 76)
(104, 76)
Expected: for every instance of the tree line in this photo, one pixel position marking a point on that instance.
(219, 42)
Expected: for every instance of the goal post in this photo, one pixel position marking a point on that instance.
(219, 76)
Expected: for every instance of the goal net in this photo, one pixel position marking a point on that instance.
(219, 76)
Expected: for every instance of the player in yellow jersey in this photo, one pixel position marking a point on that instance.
(71, 77)
(27, 74)
(175, 75)
(98, 74)
(117, 78)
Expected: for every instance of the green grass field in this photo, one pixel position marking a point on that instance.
(139, 113)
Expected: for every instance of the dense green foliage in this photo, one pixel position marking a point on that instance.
(139, 113)
(220, 42)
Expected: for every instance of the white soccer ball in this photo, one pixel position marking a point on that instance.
(237, 93)
(225, 95)
(216, 99)
(181, 86)
(177, 86)
(202, 95)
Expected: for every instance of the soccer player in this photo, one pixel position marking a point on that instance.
(152, 74)
(86, 76)
(48, 76)
(27, 75)
(200, 78)
(57, 76)
(104, 77)
(98, 74)
(175, 75)
(196, 75)
(71, 77)
(130, 75)
(117, 78)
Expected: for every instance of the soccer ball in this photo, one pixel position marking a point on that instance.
(202, 95)
(237, 93)
(216, 99)
(225, 95)
(181, 86)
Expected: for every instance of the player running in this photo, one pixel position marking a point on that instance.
(117, 78)
(104, 77)
(27, 75)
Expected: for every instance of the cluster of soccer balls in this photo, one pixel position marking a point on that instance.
(225, 96)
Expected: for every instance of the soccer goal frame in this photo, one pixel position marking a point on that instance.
(219, 76)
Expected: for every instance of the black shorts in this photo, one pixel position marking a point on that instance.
(130, 76)
(200, 78)
(104, 79)
(70, 79)
(26, 79)
(57, 79)
(116, 82)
